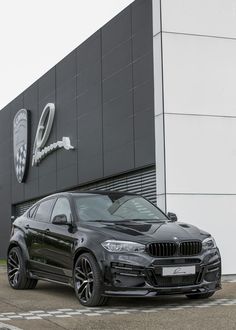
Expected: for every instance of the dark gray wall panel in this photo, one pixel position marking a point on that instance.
(90, 99)
(66, 113)
(116, 31)
(143, 70)
(47, 167)
(117, 84)
(144, 124)
(88, 78)
(119, 159)
(142, 43)
(118, 110)
(117, 59)
(89, 110)
(141, 15)
(143, 96)
(118, 134)
(89, 52)
(90, 149)
(142, 27)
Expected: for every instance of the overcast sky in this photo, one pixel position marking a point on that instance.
(35, 35)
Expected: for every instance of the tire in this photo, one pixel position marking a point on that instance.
(200, 295)
(87, 281)
(16, 271)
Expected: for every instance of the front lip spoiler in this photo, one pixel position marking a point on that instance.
(153, 292)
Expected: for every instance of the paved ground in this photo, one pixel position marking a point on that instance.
(52, 306)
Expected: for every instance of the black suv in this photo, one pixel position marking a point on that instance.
(111, 244)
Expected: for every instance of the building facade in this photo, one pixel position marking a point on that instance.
(146, 104)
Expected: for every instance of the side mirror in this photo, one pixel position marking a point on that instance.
(12, 219)
(60, 219)
(172, 216)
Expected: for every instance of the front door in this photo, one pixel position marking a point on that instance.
(38, 219)
(59, 240)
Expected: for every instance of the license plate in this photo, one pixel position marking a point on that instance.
(178, 271)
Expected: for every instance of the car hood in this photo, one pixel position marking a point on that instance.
(145, 232)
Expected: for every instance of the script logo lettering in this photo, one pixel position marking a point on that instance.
(42, 135)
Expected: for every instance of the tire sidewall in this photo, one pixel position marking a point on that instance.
(22, 269)
(97, 283)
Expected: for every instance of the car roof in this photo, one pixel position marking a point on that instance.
(83, 193)
(100, 192)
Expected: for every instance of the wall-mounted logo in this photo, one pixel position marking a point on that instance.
(21, 143)
(42, 135)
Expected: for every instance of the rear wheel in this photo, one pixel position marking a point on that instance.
(200, 296)
(16, 271)
(87, 281)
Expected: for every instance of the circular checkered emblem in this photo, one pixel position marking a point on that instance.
(20, 143)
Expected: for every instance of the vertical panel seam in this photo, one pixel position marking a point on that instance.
(77, 111)
(103, 156)
(163, 106)
(132, 61)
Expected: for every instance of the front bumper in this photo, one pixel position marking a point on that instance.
(132, 275)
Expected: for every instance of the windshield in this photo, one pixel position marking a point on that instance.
(93, 207)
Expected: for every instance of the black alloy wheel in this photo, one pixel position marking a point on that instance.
(13, 266)
(87, 281)
(16, 271)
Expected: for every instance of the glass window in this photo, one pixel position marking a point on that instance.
(44, 210)
(93, 207)
(31, 213)
(62, 206)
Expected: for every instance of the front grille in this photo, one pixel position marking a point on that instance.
(190, 248)
(162, 249)
(176, 261)
(169, 249)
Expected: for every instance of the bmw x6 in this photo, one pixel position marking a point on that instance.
(107, 244)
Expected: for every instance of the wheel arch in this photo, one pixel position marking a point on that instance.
(18, 244)
(83, 250)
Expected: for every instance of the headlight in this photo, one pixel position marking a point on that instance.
(123, 246)
(209, 243)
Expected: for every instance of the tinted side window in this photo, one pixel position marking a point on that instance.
(62, 206)
(31, 213)
(44, 210)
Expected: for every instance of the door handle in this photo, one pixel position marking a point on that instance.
(27, 226)
(47, 230)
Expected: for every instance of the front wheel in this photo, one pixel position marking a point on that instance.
(200, 295)
(16, 271)
(87, 281)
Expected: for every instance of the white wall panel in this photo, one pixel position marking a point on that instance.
(156, 16)
(200, 154)
(208, 17)
(215, 214)
(160, 157)
(157, 68)
(158, 106)
(199, 75)
(161, 202)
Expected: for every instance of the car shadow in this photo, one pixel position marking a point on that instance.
(67, 293)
